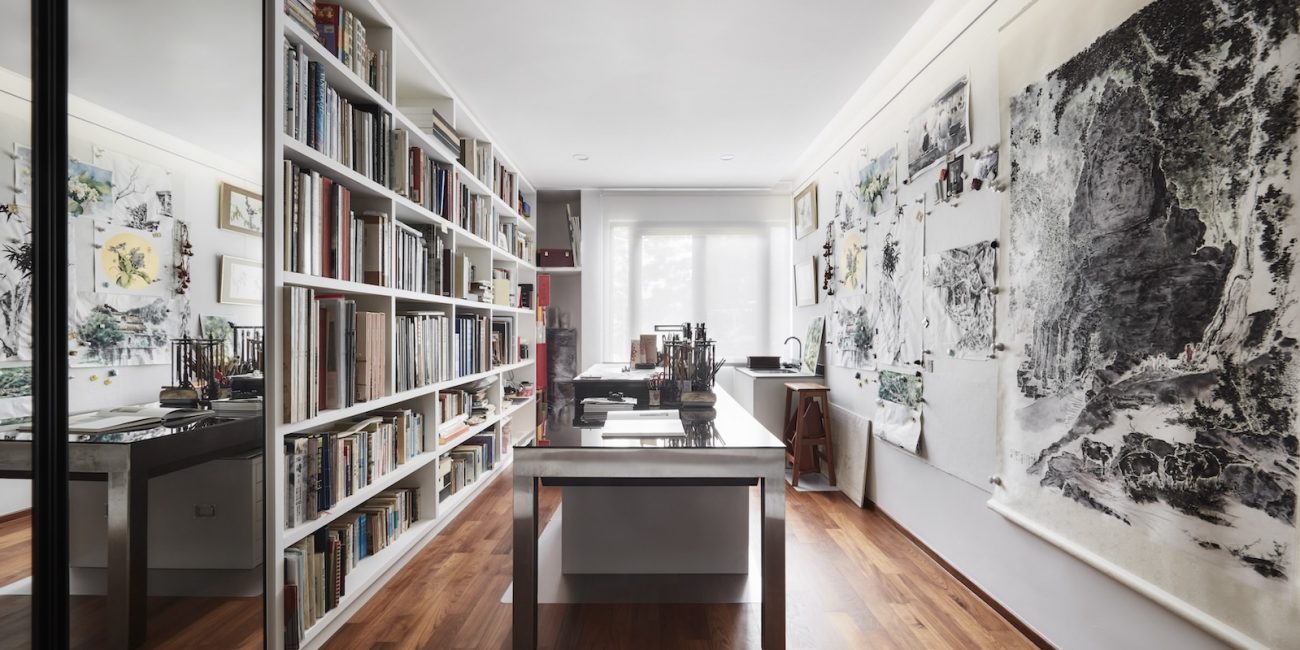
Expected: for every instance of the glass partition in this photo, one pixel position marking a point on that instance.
(165, 323)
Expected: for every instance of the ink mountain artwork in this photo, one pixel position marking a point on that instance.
(1153, 307)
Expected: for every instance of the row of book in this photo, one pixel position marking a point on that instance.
(324, 236)
(505, 346)
(326, 466)
(338, 356)
(473, 346)
(513, 239)
(426, 181)
(476, 156)
(423, 349)
(462, 466)
(461, 410)
(316, 569)
(344, 35)
(355, 135)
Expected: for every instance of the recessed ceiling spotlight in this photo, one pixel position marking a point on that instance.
(728, 156)
(580, 156)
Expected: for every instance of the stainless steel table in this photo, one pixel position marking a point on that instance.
(127, 461)
(723, 446)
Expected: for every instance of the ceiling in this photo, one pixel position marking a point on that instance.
(654, 93)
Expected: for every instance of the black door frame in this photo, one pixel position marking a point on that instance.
(49, 68)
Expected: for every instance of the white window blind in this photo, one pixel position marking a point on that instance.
(734, 278)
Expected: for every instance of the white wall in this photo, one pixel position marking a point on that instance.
(603, 207)
(940, 494)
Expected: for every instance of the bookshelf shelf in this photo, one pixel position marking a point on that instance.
(401, 70)
(297, 533)
(560, 270)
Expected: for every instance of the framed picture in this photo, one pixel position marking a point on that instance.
(240, 210)
(805, 211)
(241, 281)
(805, 283)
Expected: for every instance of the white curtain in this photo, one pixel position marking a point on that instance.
(734, 278)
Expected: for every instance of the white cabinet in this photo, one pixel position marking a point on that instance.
(762, 393)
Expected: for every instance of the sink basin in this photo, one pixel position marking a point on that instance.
(773, 371)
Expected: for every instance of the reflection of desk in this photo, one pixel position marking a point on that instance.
(723, 447)
(604, 378)
(127, 461)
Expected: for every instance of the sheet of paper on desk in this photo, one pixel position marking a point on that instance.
(643, 424)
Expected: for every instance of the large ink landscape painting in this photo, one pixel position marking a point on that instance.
(1149, 400)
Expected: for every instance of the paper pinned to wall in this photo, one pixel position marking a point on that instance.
(898, 411)
(959, 296)
(894, 256)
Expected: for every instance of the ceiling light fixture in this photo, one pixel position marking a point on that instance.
(728, 156)
(580, 156)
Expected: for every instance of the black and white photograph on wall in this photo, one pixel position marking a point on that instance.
(805, 211)
(851, 333)
(983, 167)
(1152, 428)
(939, 129)
(805, 283)
(959, 299)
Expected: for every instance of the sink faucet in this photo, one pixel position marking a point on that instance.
(799, 356)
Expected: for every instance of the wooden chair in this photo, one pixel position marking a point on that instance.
(807, 431)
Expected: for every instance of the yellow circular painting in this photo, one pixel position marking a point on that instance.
(130, 261)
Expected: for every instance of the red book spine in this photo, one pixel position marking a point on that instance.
(345, 238)
(544, 290)
(326, 218)
(541, 366)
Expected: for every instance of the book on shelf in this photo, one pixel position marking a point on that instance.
(325, 466)
(462, 275)
(505, 345)
(503, 288)
(346, 37)
(335, 355)
(354, 135)
(325, 237)
(410, 253)
(430, 121)
(316, 568)
(476, 156)
(464, 464)
(423, 349)
(511, 238)
(473, 345)
(302, 12)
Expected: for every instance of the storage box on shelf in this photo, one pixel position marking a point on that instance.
(403, 274)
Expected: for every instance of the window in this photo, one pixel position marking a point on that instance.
(733, 278)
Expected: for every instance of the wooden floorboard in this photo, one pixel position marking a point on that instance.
(854, 580)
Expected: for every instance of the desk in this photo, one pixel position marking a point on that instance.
(723, 446)
(127, 461)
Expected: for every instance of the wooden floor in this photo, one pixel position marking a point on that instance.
(853, 580)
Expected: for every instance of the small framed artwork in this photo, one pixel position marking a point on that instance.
(805, 283)
(241, 281)
(240, 210)
(805, 211)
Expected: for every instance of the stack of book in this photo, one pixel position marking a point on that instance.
(476, 156)
(316, 568)
(302, 12)
(335, 355)
(344, 35)
(315, 114)
(472, 344)
(463, 465)
(326, 466)
(432, 122)
(423, 349)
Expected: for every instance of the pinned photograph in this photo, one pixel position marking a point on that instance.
(941, 128)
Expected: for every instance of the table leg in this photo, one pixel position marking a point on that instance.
(773, 549)
(128, 534)
(525, 562)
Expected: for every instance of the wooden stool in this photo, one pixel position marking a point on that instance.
(808, 424)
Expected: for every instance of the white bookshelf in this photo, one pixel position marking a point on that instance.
(414, 83)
